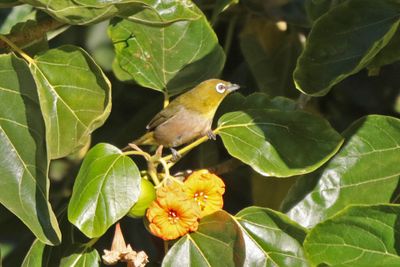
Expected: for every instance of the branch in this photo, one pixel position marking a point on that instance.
(35, 33)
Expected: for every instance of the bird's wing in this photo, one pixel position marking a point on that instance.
(163, 116)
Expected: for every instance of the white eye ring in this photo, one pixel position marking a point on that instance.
(220, 88)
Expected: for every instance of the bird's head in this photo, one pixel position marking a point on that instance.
(207, 96)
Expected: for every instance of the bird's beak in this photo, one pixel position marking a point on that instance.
(233, 87)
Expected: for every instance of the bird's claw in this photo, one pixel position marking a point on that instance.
(175, 154)
(211, 135)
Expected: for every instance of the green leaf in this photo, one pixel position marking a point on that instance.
(271, 55)
(107, 186)
(212, 242)
(168, 58)
(18, 14)
(255, 237)
(343, 41)
(364, 171)
(81, 255)
(277, 142)
(23, 158)
(36, 256)
(70, 12)
(270, 238)
(75, 97)
(316, 8)
(357, 236)
(389, 54)
(162, 12)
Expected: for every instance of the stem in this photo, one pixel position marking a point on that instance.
(302, 101)
(189, 147)
(92, 242)
(17, 49)
(166, 99)
(165, 247)
(152, 171)
(140, 153)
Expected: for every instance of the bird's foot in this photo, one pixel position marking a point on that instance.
(211, 135)
(175, 154)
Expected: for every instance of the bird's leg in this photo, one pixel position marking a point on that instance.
(175, 154)
(211, 135)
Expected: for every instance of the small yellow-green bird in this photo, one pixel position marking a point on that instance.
(187, 117)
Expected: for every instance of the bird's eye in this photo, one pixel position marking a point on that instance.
(220, 88)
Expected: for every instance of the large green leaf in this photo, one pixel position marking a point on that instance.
(343, 41)
(107, 186)
(81, 255)
(23, 157)
(75, 97)
(83, 12)
(270, 238)
(389, 54)
(366, 170)
(357, 236)
(70, 12)
(167, 58)
(277, 142)
(254, 237)
(212, 244)
(162, 12)
(36, 256)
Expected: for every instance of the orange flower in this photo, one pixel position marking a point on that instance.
(173, 213)
(207, 190)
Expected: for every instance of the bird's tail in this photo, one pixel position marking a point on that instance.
(146, 139)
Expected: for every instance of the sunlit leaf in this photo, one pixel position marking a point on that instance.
(75, 97)
(107, 186)
(270, 238)
(277, 142)
(168, 58)
(80, 255)
(212, 242)
(36, 255)
(24, 163)
(389, 54)
(357, 236)
(343, 41)
(254, 237)
(366, 170)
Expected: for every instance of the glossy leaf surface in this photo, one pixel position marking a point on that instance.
(168, 58)
(343, 41)
(107, 186)
(75, 97)
(270, 238)
(278, 143)
(364, 171)
(81, 256)
(36, 255)
(357, 236)
(248, 239)
(24, 183)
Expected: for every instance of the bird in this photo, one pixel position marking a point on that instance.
(187, 117)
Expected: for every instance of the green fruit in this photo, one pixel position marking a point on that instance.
(147, 195)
